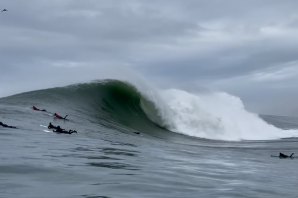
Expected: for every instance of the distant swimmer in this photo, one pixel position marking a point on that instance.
(60, 117)
(37, 109)
(4, 10)
(283, 156)
(7, 126)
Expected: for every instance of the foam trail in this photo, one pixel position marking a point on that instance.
(214, 116)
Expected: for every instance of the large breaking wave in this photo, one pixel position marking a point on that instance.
(121, 104)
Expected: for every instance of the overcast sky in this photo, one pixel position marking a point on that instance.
(248, 48)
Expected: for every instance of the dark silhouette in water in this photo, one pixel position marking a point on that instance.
(56, 115)
(37, 109)
(51, 126)
(58, 129)
(4, 10)
(7, 126)
(283, 156)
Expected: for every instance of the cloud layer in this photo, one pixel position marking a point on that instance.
(247, 48)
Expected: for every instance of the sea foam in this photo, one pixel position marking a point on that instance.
(216, 115)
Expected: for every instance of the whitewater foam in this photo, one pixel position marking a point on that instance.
(215, 115)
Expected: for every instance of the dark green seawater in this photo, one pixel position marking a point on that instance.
(125, 148)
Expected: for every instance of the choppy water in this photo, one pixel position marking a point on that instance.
(108, 159)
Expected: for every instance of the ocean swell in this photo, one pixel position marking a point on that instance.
(117, 103)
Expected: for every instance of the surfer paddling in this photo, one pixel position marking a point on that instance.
(7, 126)
(37, 109)
(58, 129)
(56, 115)
(284, 156)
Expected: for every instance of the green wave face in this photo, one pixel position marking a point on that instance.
(111, 103)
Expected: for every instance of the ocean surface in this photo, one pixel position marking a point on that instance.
(135, 141)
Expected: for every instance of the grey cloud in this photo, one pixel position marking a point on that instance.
(171, 42)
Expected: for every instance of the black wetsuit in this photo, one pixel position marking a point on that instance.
(51, 126)
(281, 155)
(37, 109)
(58, 129)
(7, 126)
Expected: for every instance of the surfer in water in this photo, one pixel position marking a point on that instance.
(283, 156)
(7, 126)
(56, 115)
(58, 129)
(37, 109)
